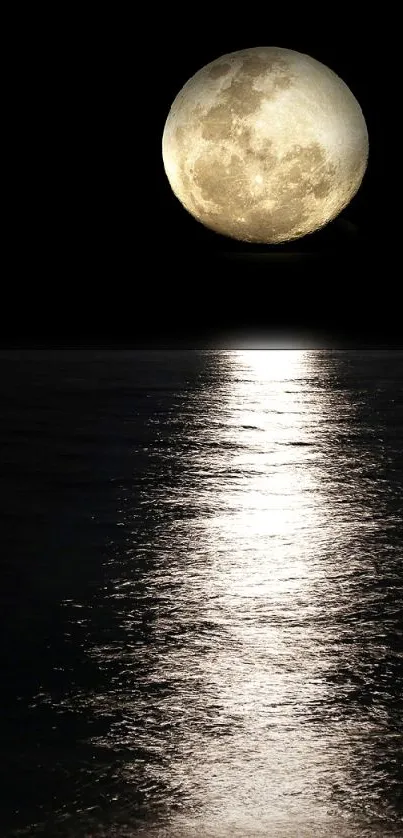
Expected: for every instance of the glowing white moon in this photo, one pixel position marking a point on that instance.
(265, 145)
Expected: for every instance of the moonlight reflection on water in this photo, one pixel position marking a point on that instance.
(236, 670)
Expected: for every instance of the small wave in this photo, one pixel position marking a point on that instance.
(298, 444)
(251, 428)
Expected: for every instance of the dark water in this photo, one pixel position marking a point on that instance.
(202, 594)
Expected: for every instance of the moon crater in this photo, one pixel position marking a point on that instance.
(265, 145)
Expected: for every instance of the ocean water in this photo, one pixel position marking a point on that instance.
(202, 589)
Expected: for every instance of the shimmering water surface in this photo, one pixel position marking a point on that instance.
(202, 593)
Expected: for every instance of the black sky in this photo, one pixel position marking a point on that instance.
(104, 253)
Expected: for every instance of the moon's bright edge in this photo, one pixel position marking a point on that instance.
(265, 145)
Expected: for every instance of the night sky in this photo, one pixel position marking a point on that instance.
(105, 254)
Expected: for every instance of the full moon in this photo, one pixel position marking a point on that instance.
(265, 145)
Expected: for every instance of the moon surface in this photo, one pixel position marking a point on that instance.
(265, 145)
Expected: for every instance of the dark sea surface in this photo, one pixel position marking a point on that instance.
(202, 590)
